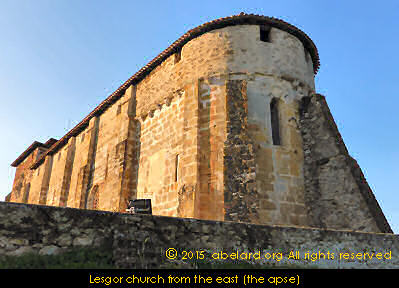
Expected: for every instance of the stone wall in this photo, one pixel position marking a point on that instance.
(212, 133)
(23, 175)
(241, 199)
(110, 166)
(40, 182)
(141, 241)
(161, 153)
(337, 194)
(81, 169)
(279, 166)
(60, 179)
(87, 172)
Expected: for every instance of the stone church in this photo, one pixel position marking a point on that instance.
(224, 124)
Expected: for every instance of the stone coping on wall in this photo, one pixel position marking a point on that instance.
(141, 241)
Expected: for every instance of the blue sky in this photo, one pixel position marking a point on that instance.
(60, 59)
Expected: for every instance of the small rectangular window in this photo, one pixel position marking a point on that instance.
(264, 33)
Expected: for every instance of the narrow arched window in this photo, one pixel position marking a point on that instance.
(275, 121)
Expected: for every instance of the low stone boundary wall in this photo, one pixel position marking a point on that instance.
(142, 241)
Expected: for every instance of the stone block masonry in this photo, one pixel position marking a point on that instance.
(223, 125)
(241, 199)
(141, 241)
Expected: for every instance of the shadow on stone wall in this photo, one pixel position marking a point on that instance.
(145, 241)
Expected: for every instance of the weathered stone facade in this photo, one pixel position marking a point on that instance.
(219, 126)
(141, 241)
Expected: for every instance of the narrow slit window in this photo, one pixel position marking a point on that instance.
(177, 168)
(177, 56)
(264, 33)
(274, 115)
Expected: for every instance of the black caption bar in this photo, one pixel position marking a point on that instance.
(278, 278)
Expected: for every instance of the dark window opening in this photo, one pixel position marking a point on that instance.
(177, 56)
(275, 122)
(264, 33)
